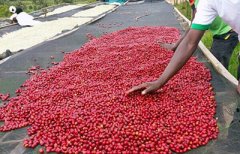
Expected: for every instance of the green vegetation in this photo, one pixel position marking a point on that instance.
(185, 9)
(4, 11)
(33, 5)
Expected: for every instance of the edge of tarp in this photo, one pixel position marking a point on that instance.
(216, 64)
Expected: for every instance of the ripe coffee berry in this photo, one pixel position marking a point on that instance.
(41, 151)
(79, 105)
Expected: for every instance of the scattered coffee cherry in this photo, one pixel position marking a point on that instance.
(80, 106)
(4, 97)
(41, 151)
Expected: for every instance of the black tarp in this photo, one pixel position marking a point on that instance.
(157, 13)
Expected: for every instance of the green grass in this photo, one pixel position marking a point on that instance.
(33, 5)
(185, 9)
(233, 64)
(207, 39)
(4, 11)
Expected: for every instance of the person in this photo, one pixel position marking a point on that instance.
(225, 39)
(207, 11)
(20, 17)
(15, 11)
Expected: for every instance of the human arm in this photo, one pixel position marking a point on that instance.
(179, 59)
(205, 15)
(174, 47)
(194, 10)
(13, 18)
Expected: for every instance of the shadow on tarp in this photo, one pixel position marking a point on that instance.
(12, 73)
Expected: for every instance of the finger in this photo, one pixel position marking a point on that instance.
(148, 90)
(167, 46)
(136, 88)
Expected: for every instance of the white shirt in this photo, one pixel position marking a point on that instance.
(25, 19)
(208, 10)
(13, 16)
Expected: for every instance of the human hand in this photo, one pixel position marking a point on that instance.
(168, 46)
(147, 87)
